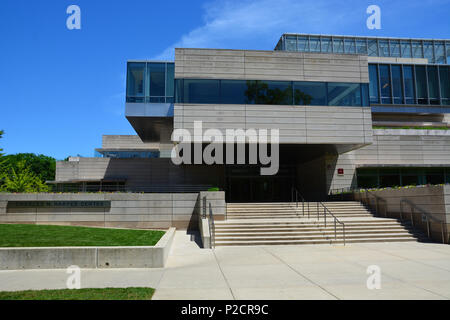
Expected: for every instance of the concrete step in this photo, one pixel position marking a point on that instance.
(317, 241)
(313, 236)
(330, 233)
(307, 229)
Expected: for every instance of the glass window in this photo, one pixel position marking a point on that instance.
(310, 93)
(326, 44)
(406, 49)
(179, 84)
(433, 84)
(385, 84)
(170, 80)
(365, 94)
(409, 84)
(421, 85)
(344, 94)
(338, 45)
(397, 88)
(135, 82)
(349, 45)
(234, 91)
(269, 92)
(291, 43)
(201, 91)
(444, 73)
(302, 44)
(361, 46)
(314, 44)
(383, 46)
(373, 47)
(373, 84)
(395, 48)
(156, 77)
(417, 49)
(367, 181)
(439, 52)
(447, 47)
(388, 180)
(428, 51)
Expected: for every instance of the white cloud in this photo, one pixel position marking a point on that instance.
(244, 24)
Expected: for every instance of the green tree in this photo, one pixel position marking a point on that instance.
(42, 166)
(20, 178)
(1, 134)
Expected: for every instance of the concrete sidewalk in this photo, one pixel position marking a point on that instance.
(408, 271)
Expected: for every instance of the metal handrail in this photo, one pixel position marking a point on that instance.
(336, 220)
(377, 198)
(427, 215)
(212, 227)
(295, 196)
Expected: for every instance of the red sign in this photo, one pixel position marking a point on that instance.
(340, 171)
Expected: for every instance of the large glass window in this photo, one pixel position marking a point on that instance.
(349, 45)
(170, 82)
(326, 45)
(135, 82)
(269, 92)
(344, 94)
(447, 47)
(397, 87)
(373, 47)
(291, 43)
(406, 48)
(156, 77)
(439, 52)
(428, 51)
(395, 48)
(444, 73)
(310, 93)
(408, 79)
(338, 45)
(421, 85)
(361, 46)
(385, 84)
(433, 84)
(314, 44)
(201, 91)
(234, 91)
(373, 84)
(417, 49)
(302, 44)
(383, 46)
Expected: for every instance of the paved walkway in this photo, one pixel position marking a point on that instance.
(408, 271)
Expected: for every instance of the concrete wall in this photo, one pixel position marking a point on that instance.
(296, 124)
(270, 65)
(434, 200)
(128, 210)
(126, 142)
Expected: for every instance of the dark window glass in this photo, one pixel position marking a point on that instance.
(410, 180)
(409, 84)
(421, 85)
(428, 51)
(384, 48)
(397, 88)
(361, 46)
(365, 94)
(310, 93)
(201, 91)
(156, 77)
(170, 79)
(367, 181)
(291, 43)
(385, 84)
(349, 46)
(373, 47)
(302, 44)
(373, 84)
(135, 82)
(326, 44)
(344, 94)
(433, 85)
(269, 92)
(439, 52)
(447, 46)
(395, 48)
(314, 44)
(406, 49)
(338, 45)
(444, 73)
(389, 180)
(179, 84)
(417, 49)
(234, 91)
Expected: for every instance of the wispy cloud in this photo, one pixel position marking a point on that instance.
(244, 24)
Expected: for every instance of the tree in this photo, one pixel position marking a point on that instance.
(20, 178)
(1, 134)
(42, 166)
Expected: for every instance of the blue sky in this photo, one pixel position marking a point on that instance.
(62, 89)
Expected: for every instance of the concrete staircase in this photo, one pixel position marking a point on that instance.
(284, 223)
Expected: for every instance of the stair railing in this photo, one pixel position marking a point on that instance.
(336, 220)
(425, 214)
(366, 201)
(212, 227)
(296, 196)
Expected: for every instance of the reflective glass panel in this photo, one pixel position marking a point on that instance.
(361, 46)
(338, 45)
(417, 49)
(406, 49)
(344, 94)
(302, 44)
(383, 46)
(170, 80)
(395, 48)
(349, 46)
(314, 44)
(439, 52)
(409, 84)
(373, 84)
(201, 91)
(135, 82)
(291, 43)
(156, 77)
(421, 85)
(433, 84)
(326, 44)
(385, 84)
(428, 51)
(269, 92)
(397, 88)
(373, 48)
(444, 73)
(447, 46)
(234, 91)
(310, 93)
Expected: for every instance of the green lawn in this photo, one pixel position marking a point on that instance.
(81, 294)
(29, 235)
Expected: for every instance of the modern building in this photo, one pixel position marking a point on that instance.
(351, 112)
